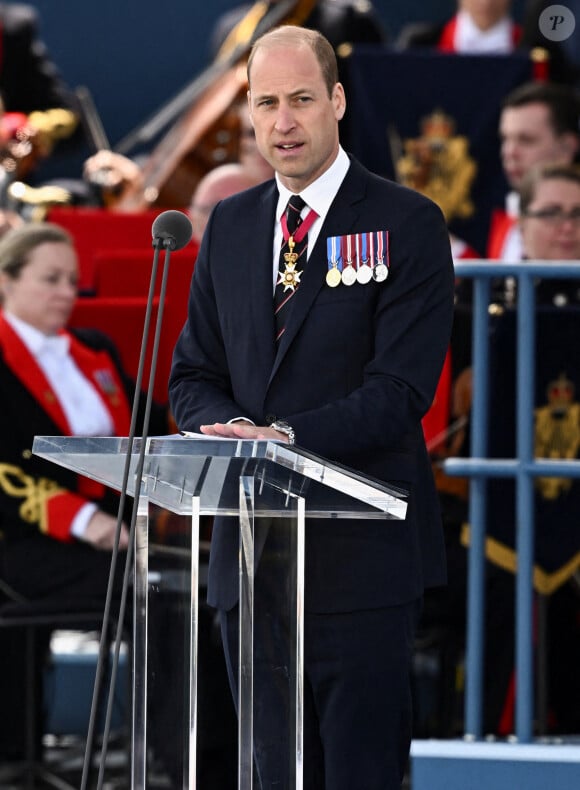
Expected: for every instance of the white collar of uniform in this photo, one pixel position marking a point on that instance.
(512, 204)
(320, 194)
(470, 39)
(35, 340)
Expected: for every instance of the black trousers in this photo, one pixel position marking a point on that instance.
(357, 688)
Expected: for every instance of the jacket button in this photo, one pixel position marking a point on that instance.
(270, 418)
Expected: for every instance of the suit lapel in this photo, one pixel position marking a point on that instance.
(342, 216)
(261, 283)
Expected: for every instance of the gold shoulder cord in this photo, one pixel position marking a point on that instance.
(34, 493)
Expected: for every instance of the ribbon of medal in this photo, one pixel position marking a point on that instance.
(290, 278)
(381, 270)
(364, 271)
(348, 270)
(333, 275)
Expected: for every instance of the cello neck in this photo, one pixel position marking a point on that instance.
(294, 11)
(91, 120)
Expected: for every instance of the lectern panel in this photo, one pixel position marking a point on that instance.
(178, 468)
(271, 488)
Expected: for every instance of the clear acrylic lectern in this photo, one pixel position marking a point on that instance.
(265, 485)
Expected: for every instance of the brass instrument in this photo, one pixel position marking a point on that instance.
(34, 139)
(33, 203)
(26, 140)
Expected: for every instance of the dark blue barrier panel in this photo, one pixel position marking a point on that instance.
(390, 90)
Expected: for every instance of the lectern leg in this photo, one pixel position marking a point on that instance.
(193, 642)
(271, 642)
(166, 602)
(299, 526)
(140, 626)
(246, 644)
(296, 527)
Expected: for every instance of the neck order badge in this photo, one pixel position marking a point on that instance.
(293, 251)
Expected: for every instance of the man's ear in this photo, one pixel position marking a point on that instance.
(339, 101)
(571, 144)
(249, 95)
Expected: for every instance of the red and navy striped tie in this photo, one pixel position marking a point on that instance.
(284, 292)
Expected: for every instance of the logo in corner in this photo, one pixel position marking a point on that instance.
(557, 22)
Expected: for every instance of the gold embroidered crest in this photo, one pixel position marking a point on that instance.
(438, 165)
(557, 433)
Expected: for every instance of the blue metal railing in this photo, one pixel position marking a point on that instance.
(523, 469)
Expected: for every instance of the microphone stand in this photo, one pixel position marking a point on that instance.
(167, 242)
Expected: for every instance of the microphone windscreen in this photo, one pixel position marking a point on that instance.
(172, 226)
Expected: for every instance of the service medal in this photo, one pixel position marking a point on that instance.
(364, 274)
(380, 272)
(333, 277)
(348, 271)
(380, 269)
(349, 275)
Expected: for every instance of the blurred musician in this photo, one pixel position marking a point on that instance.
(340, 21)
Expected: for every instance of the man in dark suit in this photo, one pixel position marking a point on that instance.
(348, 373)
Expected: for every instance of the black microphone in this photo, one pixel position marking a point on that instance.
(172, 230)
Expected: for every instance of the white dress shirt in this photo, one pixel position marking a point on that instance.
(317, 196)
(513, 245)
(494, 41)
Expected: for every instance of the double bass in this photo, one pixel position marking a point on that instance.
(201, 121)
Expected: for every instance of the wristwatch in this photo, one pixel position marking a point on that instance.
(283, 427)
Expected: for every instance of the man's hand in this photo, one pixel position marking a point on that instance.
(462, 394)
(242, 430)
(116, 175)
(100, 532)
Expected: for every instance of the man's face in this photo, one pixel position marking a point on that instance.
(527, 139)
(295, 120)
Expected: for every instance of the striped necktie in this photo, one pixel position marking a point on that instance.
(292, 257)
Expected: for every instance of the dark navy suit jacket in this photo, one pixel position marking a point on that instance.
(355, 371)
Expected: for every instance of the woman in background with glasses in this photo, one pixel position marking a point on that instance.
(550, 226)
(550, 229)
